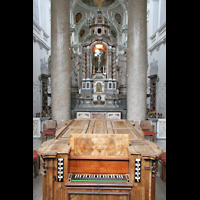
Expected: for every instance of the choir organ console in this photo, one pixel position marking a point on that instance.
(100, 159)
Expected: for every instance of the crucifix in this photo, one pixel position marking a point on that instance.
(99, 3)
(99, 61)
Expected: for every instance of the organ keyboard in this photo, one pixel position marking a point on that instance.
(99, 177)
(99, 159)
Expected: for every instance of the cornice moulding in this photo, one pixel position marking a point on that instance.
(37, 27)
(41, 43)
(157, 44)
(40, 36)
(158, 38)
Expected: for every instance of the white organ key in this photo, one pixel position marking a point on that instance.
(60, 163)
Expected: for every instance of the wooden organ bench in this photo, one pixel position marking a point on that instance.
(99, 159)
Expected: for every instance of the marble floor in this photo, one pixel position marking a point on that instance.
(160, 185)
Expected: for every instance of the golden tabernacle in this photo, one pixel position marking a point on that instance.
(100, 159)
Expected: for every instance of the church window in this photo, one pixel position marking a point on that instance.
(114, 34)
(99, 30)
(118, 18)
(78, 17)
(82, 32)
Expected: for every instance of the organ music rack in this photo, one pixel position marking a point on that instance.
(99, 159)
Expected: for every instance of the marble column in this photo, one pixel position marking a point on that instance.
(60, 60)
(137, 60)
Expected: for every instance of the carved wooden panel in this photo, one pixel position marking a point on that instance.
(120, 124)
(139, 193)
(99, 196)
(98, 166)
(80, 123)
(99, 145)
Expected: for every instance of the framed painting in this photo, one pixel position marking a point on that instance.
(161, 129)
(36, 127)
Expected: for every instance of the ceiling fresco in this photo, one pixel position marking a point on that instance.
(104, 3)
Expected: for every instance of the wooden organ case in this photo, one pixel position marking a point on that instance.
(99, 159)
